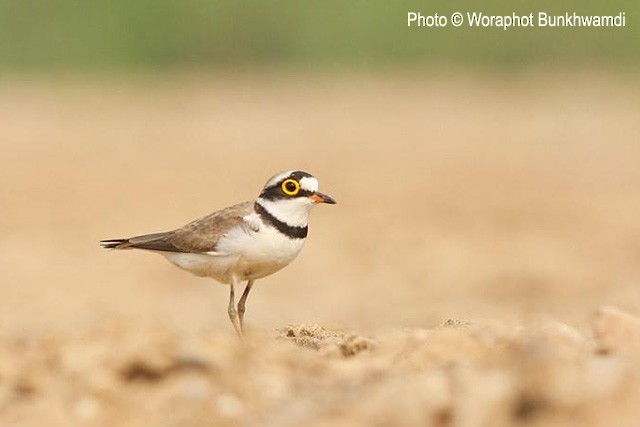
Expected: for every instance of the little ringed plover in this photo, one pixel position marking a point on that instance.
(247, 241)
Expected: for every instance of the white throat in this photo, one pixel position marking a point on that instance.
(293, 212)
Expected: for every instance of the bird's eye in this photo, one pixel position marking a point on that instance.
(290, 187)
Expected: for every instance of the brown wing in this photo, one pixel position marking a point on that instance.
(201, 235)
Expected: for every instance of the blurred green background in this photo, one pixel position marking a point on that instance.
(123, 34)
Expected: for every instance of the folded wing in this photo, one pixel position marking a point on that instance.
(199, 236)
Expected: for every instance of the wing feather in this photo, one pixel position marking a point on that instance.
(199, 236)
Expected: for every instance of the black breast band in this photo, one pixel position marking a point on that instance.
(286, 229)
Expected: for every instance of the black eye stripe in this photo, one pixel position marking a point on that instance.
(275, 192)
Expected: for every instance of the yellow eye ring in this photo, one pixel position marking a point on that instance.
(290, 187)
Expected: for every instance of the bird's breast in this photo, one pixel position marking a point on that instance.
(260, 253)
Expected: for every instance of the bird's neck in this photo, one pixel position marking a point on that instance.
(291, 220)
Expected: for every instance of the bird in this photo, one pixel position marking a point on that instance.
(244, 242)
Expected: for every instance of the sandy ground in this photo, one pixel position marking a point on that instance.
(480, 224)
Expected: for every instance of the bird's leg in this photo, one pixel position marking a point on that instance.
(243, 300)
(233, 313)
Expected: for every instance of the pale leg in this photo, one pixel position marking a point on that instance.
(243, 300)
(233, 314)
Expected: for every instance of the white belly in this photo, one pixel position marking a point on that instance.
(245, 255)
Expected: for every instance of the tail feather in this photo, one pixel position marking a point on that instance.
(114, 243)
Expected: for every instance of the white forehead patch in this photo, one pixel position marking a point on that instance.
(309, 183)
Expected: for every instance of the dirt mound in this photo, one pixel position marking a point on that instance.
(459, 374)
